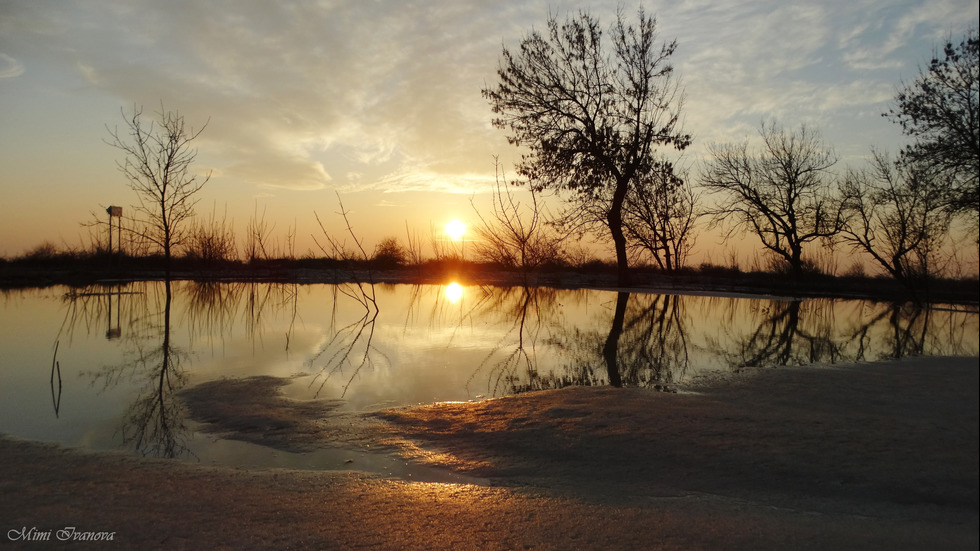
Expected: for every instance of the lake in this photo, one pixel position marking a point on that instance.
(101, 367)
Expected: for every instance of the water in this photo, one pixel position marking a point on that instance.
(102, 367)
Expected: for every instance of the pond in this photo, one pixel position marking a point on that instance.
(102, 367)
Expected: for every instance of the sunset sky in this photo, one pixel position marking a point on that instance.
(380, 101)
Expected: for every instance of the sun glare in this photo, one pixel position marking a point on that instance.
(454, 292)
(455, 230)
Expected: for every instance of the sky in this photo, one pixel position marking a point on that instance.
(378, 102)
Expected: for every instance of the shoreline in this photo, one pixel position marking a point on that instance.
(873, 456)
(712, 281)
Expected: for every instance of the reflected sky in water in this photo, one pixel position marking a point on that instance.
(103, 366)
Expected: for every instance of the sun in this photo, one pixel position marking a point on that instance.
(455, 229)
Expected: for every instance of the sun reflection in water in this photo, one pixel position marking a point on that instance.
(454, 292)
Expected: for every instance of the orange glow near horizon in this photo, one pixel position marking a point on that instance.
(455, 229)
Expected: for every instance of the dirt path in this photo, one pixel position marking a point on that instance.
(880, 456)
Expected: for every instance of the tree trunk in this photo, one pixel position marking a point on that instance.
(796, 262)
(615, 220)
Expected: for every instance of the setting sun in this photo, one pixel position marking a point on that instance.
(455, 230)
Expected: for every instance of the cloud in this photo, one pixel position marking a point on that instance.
(10, 67)
(297, 173)
(390, 91)
(419, 178)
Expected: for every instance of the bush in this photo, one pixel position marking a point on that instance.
(43, 252)
(389, 254)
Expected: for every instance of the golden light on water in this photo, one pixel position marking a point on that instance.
(454, 292)
(455, 229)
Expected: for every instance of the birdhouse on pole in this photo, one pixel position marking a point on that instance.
(115, 212)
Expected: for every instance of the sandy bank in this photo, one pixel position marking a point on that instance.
(871, 456)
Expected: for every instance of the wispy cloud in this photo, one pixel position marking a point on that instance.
(10, 67)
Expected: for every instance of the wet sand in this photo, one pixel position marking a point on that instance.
(867, 456)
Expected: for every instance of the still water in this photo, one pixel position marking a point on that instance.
(102, 367)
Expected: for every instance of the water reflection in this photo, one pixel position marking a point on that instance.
(153, 423)
(647, 345)
(454, 292)
(56, 371)
(511, 362)
(780, 338)
(139, 344)
(348, 347)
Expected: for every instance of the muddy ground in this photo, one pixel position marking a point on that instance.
(867, 456)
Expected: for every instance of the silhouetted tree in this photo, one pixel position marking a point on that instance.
(591, 119)
(659, 215)
(782, 195)
(941, 111)
(516, 235)
(895, 213)
(157, 164)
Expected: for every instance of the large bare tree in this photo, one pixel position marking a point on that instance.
(157, 166)
(590, 113)
(782, 194)
(941, 110)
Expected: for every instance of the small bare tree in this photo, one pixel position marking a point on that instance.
(659, 217)
(516, 235)
(782, 195)
(157, 165)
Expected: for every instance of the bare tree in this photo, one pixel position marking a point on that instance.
(659, 216)
(782, 194)
(517, 235)
(896, 214)
(590, 119)
(157, 164)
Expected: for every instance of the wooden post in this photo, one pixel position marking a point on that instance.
(109, 249)
(117, 212)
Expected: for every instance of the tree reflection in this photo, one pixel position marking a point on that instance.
(780, 338)
(514, 357)
(349, 347)
(154, 421)
(610, 350)
(646, 345)
(808, 332)
(898, 330)
(657, 351)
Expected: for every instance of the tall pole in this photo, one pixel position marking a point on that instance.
(110, 229)
(117, 212)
